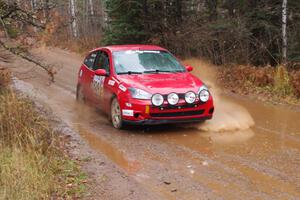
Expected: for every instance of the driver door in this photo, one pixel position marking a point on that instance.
(99, 83)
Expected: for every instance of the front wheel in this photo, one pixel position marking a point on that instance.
(115, 113)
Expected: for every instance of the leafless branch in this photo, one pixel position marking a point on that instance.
(47, 68)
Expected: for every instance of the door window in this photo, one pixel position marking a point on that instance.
(102, 61)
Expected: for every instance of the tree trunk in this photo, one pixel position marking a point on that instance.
(104, 17)
(90, 16)
(74, 20)
(284, 35)
(46, 10)
(33, 6)
(91, 5)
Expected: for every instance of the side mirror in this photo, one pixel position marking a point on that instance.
(189, 68)
(101, 72)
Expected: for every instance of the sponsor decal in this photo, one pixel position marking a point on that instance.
(128, 113)
(111, 82)
(122, 87)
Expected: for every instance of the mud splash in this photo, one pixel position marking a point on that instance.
(228, 115)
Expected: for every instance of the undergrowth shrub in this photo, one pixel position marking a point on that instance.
(12, 32)
(21, 126)
(247, 79)
(295, 81)
(4, 77)
(282, 84)
(239, 75)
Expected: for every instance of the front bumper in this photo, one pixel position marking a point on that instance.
(144, 113)
(166, 121)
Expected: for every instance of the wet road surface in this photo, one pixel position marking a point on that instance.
(184, 162)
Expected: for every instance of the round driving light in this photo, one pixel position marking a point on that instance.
(190, 97)
(157, 99)
(173, 98)
(204, 95)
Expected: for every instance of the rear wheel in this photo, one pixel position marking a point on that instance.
(79, 94)
(115, 113)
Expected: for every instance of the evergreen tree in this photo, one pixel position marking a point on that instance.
(125, 22)
(235, 31)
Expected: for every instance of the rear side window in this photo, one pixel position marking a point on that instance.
(90, 59)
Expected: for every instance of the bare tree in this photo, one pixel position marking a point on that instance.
(33, 6)
(46, 10)
(91, 5)
(74, 20)
(284, 35)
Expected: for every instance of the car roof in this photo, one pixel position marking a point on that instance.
(113, 48)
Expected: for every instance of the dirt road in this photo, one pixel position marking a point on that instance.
(181, 162)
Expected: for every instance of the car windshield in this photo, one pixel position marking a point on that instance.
(137, 62)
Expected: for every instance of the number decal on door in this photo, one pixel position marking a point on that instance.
(97, 85)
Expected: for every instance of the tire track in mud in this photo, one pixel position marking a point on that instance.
(181, 162)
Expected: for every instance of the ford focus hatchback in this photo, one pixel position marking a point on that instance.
(142, 84)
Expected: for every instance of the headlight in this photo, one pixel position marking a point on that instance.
(139, 94)
(204, 95)
(157, 99)
(190, 97)
(173, 98)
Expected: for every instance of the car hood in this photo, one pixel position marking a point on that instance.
(163, 83)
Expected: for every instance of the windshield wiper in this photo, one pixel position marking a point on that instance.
(155, 71)
(158, 71)
(129, 72)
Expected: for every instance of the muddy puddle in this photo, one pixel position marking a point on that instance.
(118, 157)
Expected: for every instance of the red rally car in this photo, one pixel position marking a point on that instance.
(142, 84)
